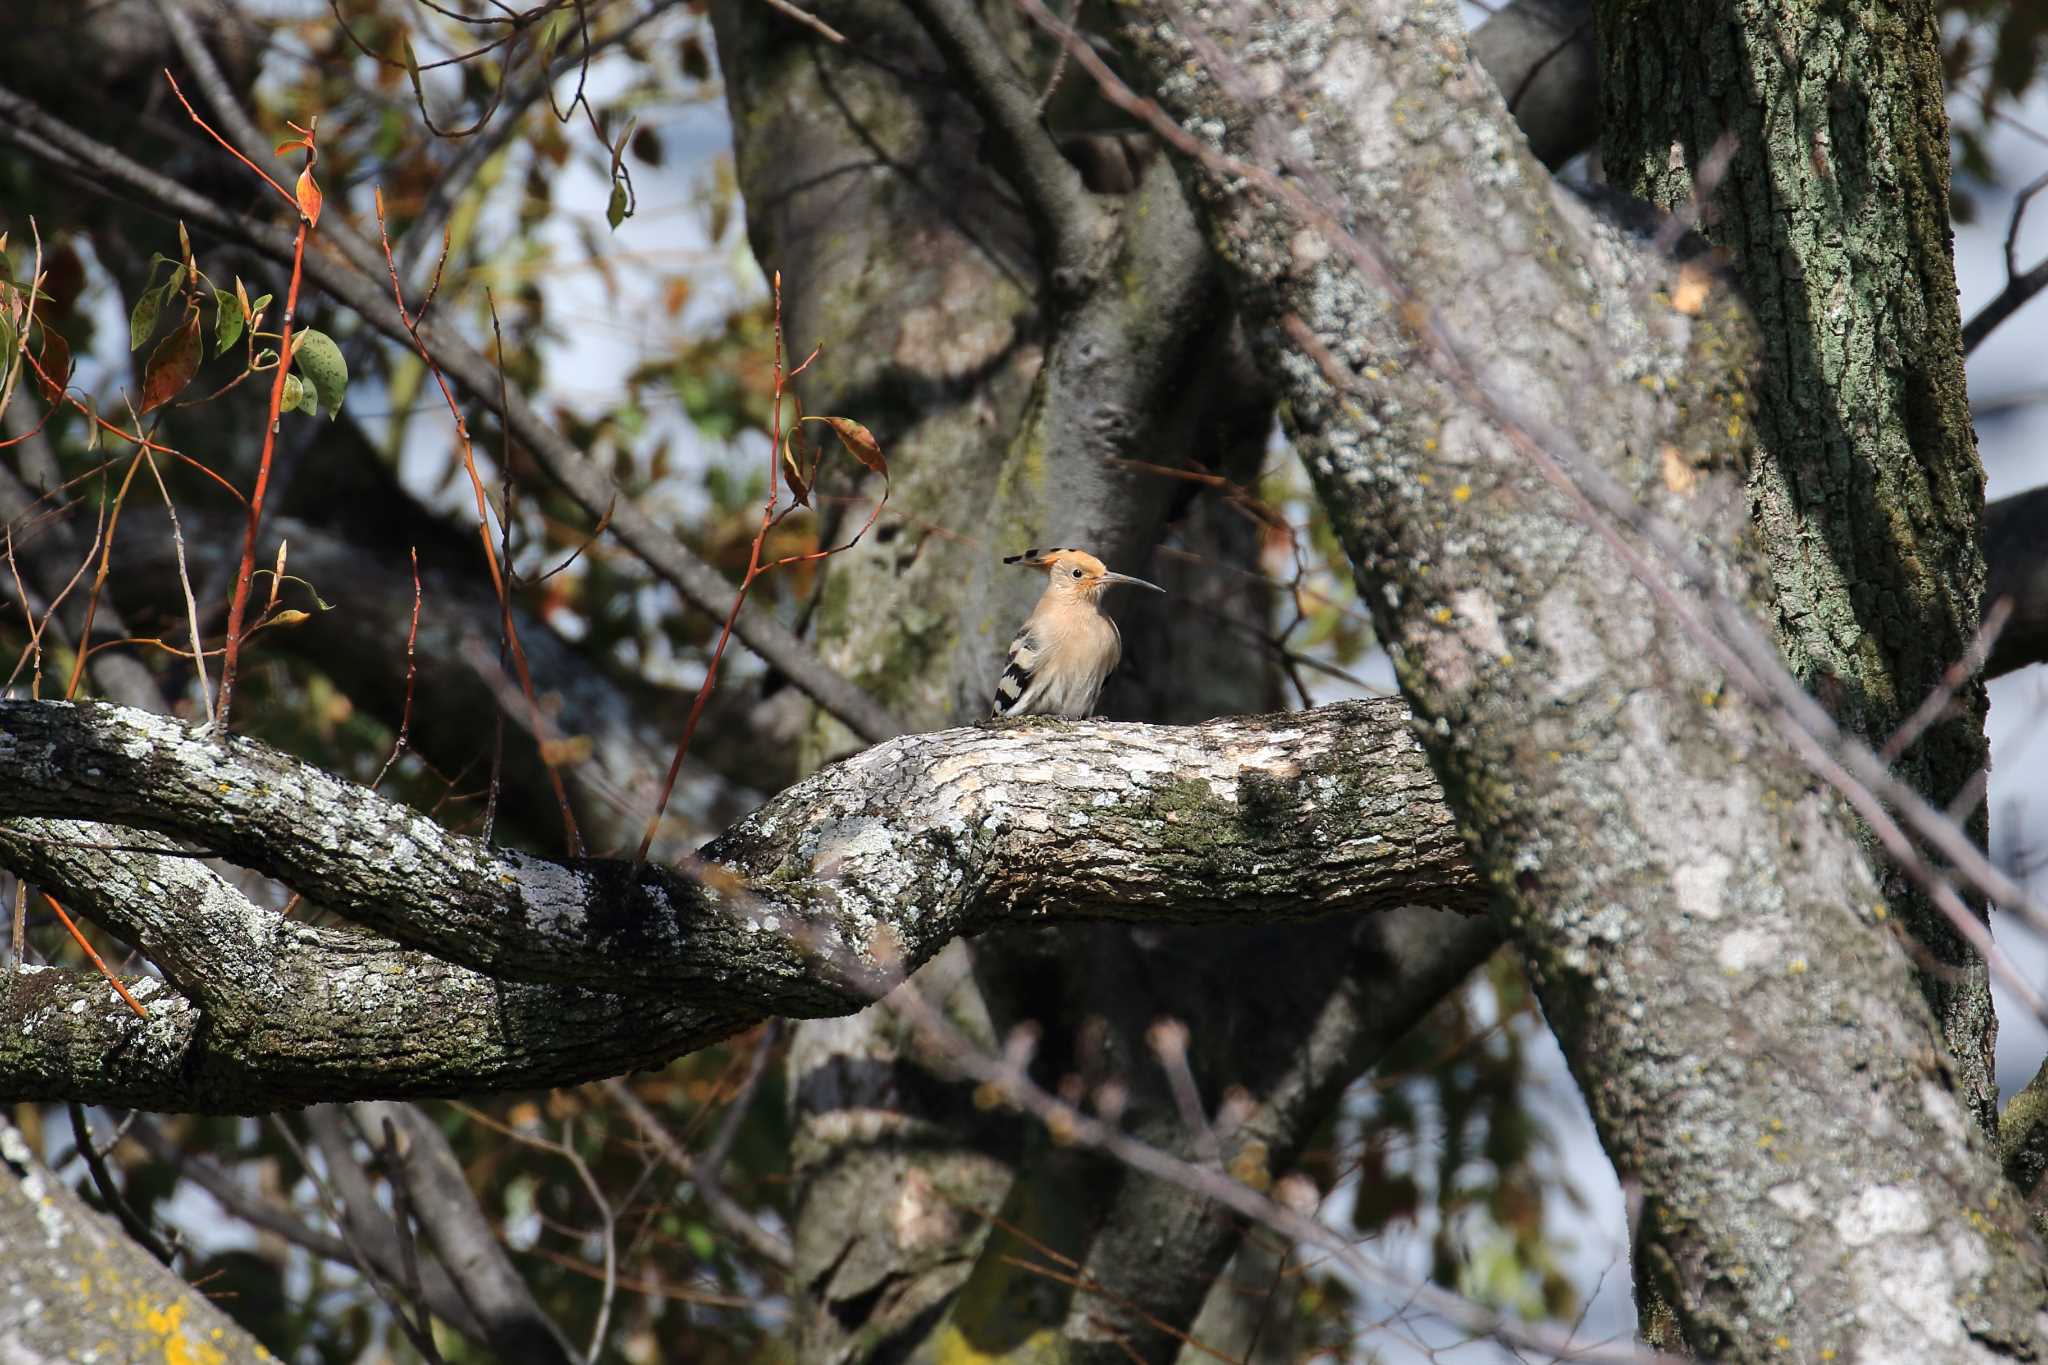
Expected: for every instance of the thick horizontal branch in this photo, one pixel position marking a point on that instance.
(266, 1012)
(869, 865)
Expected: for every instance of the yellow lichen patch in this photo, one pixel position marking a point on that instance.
(1462, 492)
(1249, 1166)
(162, 1320)
(1442, 616)
(168, 1323)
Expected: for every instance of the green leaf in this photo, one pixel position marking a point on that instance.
(615, 211)
(142, 321)
(702, 1243)
(294, 393)
(315, 356)
(227, 321)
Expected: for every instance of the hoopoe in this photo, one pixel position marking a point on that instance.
(1067, 647)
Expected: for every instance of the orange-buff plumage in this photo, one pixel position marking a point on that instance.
(1067, 647)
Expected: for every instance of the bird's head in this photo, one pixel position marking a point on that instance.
(1076, 572)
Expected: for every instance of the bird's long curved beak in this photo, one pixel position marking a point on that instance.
(1108, 577)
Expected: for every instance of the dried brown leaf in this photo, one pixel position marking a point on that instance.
(172, 364)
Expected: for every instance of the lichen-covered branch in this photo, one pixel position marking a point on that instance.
(72, 1276)
(1698, 917)
(498, 968)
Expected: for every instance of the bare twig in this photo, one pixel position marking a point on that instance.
(103, 1181)
(769, 1245)
(808, 20)
(1169, 1041)
(78, 937)
(756, 566)
(2019, 286)
(412, 636)
(185, 586)
(422, 1342)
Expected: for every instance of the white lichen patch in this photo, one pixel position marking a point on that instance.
(1699, 884)
(1479, 617)
(1747, 949)
(1574, 641)
(1883, 1211)
(1794, 1197)
(1947, 1115)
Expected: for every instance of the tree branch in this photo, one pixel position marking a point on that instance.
(866, 868)
(516, 1327)
(931, 836)
(2016, 557)
(436, 1289)
(1071, 227)
(85, 1280)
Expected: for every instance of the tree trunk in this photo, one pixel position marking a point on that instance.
(1865, 489)
(1483, 381)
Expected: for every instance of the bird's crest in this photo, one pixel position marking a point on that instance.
(1060, 558)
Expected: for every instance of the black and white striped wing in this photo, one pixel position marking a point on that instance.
(1019, 684)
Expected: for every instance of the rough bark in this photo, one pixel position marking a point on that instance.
(1866, 489)
(1700, 922)
(118, 1301)
(878, 861)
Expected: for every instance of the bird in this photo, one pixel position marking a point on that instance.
(1067, 647)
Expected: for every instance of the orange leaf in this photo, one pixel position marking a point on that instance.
(859, 442)
(172, 364)
(309, 197)
(56, 362)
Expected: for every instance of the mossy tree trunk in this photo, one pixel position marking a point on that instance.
(1866, 489)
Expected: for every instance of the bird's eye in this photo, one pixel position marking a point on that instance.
(1076, 572)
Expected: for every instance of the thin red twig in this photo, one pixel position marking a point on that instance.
(226, 145)
(411, 323)
(755, 568)
(239, 603)
(97, 960)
